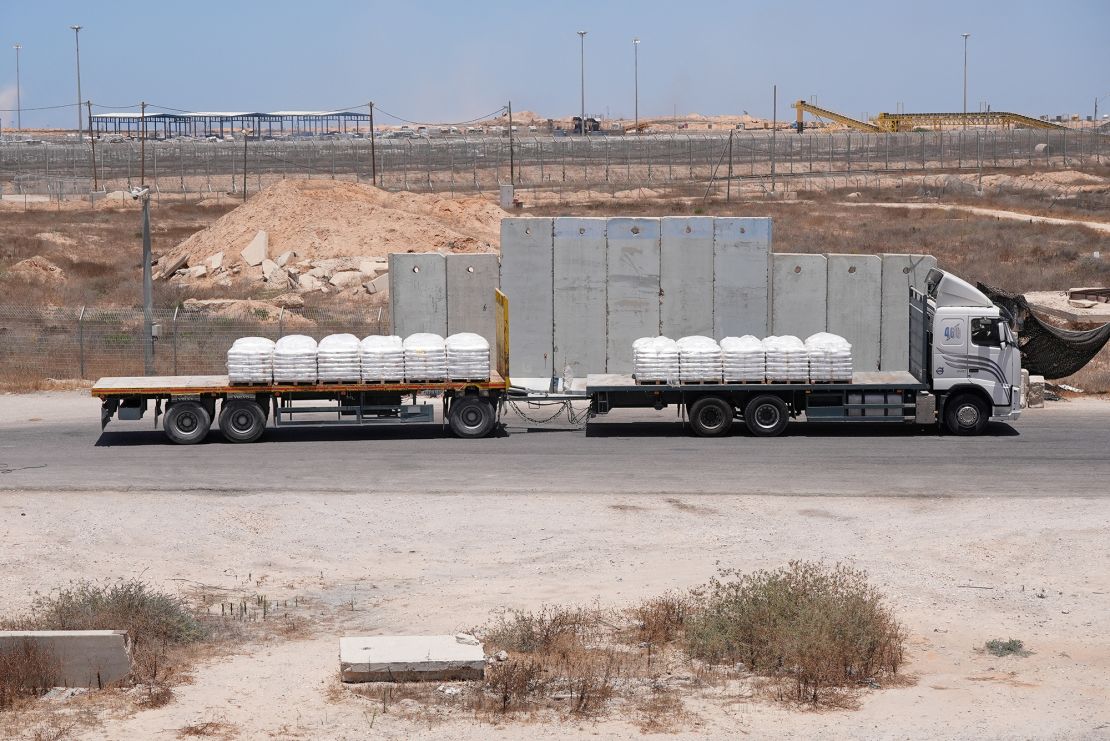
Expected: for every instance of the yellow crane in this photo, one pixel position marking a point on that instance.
(894, 122)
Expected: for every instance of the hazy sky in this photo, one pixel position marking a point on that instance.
(449, 61)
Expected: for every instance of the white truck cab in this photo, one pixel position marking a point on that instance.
(975, 364)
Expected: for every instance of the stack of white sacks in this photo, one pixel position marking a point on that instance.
(383, 358)
(467, 357)
(699, 359)
(251, 360)
(295, 359)
(830, 357)
(655, 359)
(425, 357)
(743, 359)
(787, 359)
(337, 359)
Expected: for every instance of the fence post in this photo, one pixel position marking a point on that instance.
(175, 310)
(281, 323)
(81, 343)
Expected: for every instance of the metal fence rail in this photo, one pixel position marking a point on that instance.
(90, 342)
(473, 164)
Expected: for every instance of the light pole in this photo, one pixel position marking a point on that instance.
(582, 63)
(636, 80)
(18, 100)
(77, 44)
(965, 78)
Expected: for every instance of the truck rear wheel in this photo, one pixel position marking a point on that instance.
(766, 416)
(187, 422)
(711, 416)
(966, 414)
(471, 416)
(242, 421)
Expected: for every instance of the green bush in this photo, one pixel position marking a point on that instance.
(1012, 647)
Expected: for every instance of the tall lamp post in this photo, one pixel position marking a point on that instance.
(77, 44)
(965, 35)
(636, 80)
(582, 64)
(18, 99)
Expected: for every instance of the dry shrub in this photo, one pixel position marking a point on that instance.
(813, 629)
(515, 683)
(543, 630)
(26, 671)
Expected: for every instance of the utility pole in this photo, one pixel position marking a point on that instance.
(636, 81)
(77, 44)
(92, 143)
(142, 143)
(18, 99)
(582, 66)
(774, 127)
(245, 165)
(965, 78)
(512, 170)
(728, 186)
(373, 152)
(143, 194)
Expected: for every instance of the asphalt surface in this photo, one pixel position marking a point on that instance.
(53, 442)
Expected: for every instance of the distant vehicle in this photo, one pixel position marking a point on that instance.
(533, 128)
(213, 138)
(453, 130)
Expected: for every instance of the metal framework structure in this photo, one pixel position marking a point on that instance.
(900, 122)
(853, 123)
(222, 123)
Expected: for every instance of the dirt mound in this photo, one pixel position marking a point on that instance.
(38, 269)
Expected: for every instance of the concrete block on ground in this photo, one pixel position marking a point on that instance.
(377, 285)
(1036, 392)
(215, 262)
(854, 307)
(85, 658)
(741, 276)
(472, 280)
(579, 295)
(799, 289)
(506, 196)
(418, 293)
(526, 279)
(632, 263)
(172, 264)
(345, 278)
(686, 258)
(411, 658)
(284, 258)
(255, 252)
(373, 268)
(900, 272)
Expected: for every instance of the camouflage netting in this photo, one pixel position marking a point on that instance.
(1047, 351)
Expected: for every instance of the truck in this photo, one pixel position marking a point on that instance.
(964, 372)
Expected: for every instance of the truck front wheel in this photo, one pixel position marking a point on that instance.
(711, 416)
(242, 421)
(766, 416)
(471, 416)
(187, 422)
(966, 414)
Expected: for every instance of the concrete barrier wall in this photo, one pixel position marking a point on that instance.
(899, 273)
(686, 275)
(472, 280)
(84, 658)
(526, 279)
(854, 305)
(741, 276)
(580, 280)
(799, 290)
(418, 293)
(632, 260)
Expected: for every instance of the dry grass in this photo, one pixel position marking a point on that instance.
(27, 671)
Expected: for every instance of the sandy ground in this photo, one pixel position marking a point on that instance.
(1099, 226)
(959, 570)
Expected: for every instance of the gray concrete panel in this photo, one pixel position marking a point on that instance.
(799, 286)
(686, 276)
(84, 658)
(632, 259)
(899, 273)
(854, 305)
(418, 293)
(471, 282)
(526, 279)
(579, 285)
(741, 276)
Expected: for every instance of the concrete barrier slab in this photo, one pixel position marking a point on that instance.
(799, 288)
(632, 259)
(418, 293)
(741, 276)
(85, 658)
(855, 305)
(472, 280)
(408, 658)
(686, 275)
(579, 295)
(526, 279)
(900, 272)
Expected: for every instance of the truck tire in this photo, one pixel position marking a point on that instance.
(966, 414)
(711, 416)
(187, 422)
(766, 416)
(242, 421)
(471, 416)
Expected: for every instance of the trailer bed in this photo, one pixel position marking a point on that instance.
(219, 385)
(863, 381)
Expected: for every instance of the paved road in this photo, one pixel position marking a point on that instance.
(53, 442)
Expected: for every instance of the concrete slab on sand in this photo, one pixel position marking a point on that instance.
(86, 658)
(407, 658)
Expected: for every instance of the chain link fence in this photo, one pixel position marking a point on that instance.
(90, 342)
(201, 169)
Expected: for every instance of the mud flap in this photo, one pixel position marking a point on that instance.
(108, 409)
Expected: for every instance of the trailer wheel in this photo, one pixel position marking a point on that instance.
(711, 416)
(242, 421)
(187, 422)
(966, 414)
(471, 416)
(766, 416)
